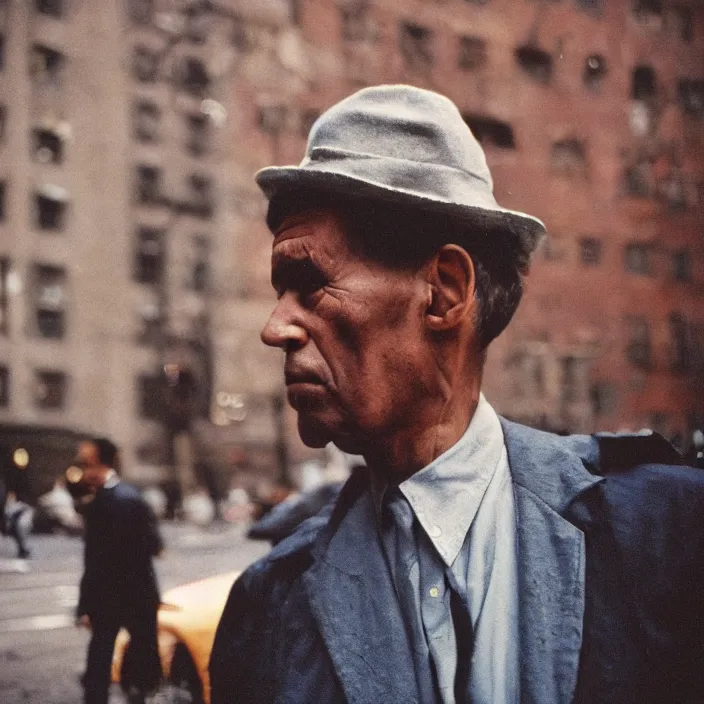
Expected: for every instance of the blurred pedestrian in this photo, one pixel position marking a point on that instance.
(18, 523)
(473, 559)
(119, 587)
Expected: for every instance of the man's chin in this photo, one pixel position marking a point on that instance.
(313, 433)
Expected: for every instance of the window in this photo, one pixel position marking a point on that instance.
(679, 347)
(3, 193)
(572, 369)
(46, 64)
(681, 265)
(150, 313)
(199, 134)
(568, 157)
(594, 71)
(145, 64)
(50, 208)
(491, 132)
(691, 95)
(48, 147)
(554, 248)
(53, 8)
(193, 76)
(416, 46)
(272, 118)
(590, 251)
(604, 398)
(149, 185)
(639, 350)
(4, 296)
(2, 52)
(198, 22)
(146, 117)
(50, 389)
(149, 256)
(536, 62)
(638, 180)
(648, 11)
(472, 53)
(200, 280)
(4, 387)
(201, 201)
(643, 83)
(357, 23)
(150, 390)
(3, 123)
(50, 301)
(638, 259)
(141, 11)
(683, 22)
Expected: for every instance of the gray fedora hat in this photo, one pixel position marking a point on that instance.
(403, 145)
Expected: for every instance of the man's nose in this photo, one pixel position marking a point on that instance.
(282, 329)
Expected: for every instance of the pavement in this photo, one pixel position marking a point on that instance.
(42, 653)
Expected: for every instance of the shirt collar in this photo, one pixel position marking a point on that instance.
(445, 495)
(112, 480)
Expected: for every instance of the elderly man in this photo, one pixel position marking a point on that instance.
(474, 559)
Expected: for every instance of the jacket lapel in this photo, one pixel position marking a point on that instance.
(547, 477)
(354, 603)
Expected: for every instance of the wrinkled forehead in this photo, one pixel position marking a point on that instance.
(316, 231)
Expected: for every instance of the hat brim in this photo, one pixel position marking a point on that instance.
(275, 180)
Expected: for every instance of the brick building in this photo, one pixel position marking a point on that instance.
(132, 238)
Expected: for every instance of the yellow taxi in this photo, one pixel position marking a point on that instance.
(187, 619)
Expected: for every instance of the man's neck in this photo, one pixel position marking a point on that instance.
(415, 446)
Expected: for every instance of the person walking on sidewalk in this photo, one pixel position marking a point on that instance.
(119, 587)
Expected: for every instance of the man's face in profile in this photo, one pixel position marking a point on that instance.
(89, 462)
(352, 332)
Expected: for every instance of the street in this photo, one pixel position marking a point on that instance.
(42, 653)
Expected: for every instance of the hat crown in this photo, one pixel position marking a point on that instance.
(400, 122)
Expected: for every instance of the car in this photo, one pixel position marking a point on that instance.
(186, 621)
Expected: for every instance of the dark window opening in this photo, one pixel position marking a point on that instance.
(681, 265)
(4, 296)
(569, 158)
(199, 134)
(152, 322)
(3, 193)
(149, 185)
(308, 119)
(672, 191)
(150, 391)
(46, 64)
(604, 398)
(50, 390)
(50, 212)
(691, 95)
(53, 8)
(592, 6)
(590, 251)
(3, 123)
(272, 118)
(416, 45)
(194, 77)
(643, 83)
(638, 180)
(4, 387)
(2, 52)
(491, 132)
(48, 147)
(295, 11)
(202, 200)
(200, 280)
(594, 71)
(648, 10)
(141, 11)
(638, 259)
(553, 248)
(238, 35)
(536, 62)
(50, 301)
(679, 347)
(198, 23)
(146, 117)
(145, 64)
(149, 256)
(683, 21)
(571, 379)
(357, 23)
(472, 53)
(639, 349)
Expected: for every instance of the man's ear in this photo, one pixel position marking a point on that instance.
(452, 282)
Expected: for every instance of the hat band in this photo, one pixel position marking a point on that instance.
(425, 180)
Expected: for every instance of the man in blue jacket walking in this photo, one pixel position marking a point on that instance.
(473, 559)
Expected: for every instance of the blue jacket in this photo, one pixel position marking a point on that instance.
(611, 588)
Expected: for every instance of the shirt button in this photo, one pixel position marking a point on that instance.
(434, 592)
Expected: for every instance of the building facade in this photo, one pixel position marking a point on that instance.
(133, 256)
